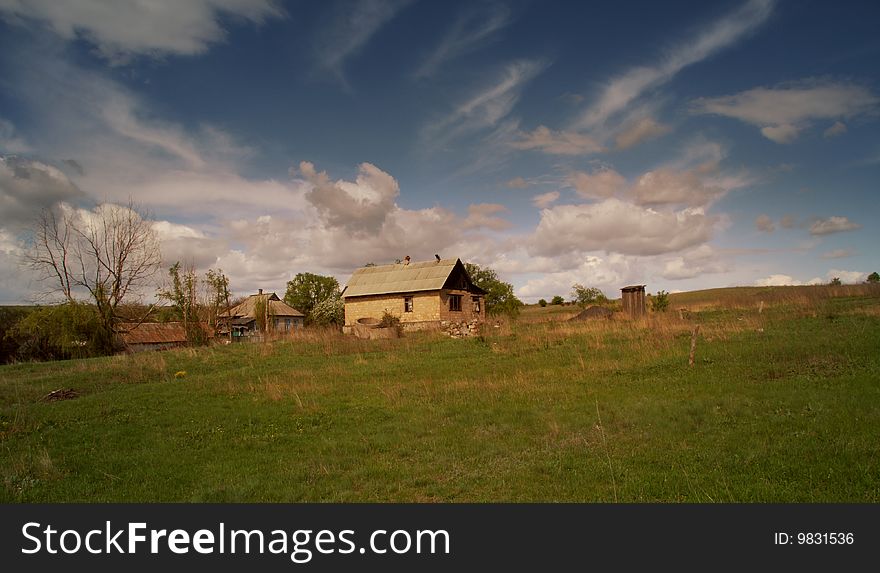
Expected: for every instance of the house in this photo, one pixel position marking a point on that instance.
(138, 337)
(421, 294)
(259, 313)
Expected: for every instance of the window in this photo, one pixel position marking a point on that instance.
(407, 304)
(455, 302)
(476, 301)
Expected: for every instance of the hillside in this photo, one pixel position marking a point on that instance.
(781, 406)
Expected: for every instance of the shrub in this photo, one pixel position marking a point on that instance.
(660, 302)
(557, 300)
(542, 303)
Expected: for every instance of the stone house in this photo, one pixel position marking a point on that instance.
(259, 313)
(422, 295)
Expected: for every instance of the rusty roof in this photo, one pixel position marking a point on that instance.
(401, 277)
(277, 307)
(155, 332)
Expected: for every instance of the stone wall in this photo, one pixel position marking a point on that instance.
(426, 307)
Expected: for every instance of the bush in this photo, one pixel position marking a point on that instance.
(557, 300)
(584, 296)
(328, 312)
(542, 303)
(660, 302)
(70, 330)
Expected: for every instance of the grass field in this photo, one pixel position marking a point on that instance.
(780, 406)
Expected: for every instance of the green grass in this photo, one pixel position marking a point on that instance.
(780, 407)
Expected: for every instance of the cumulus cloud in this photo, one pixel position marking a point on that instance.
(557, 142)
(616, 226)
(359, 206)
(839, 128)
(832, 225)
(765, 224)
(156, 28)
(639, 131)
(847, 277)
(600, 184)
(788, 222)
(784, 133)
(669, 186)
(544, 200)
(782, 112)
(778, 280)
(693, 263)
(473, 28)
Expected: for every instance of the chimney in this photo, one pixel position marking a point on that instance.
(260, 291)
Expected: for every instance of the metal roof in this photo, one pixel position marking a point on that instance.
(155, 332)
(397, 278)
(276, 307)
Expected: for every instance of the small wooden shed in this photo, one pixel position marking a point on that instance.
(633, 298)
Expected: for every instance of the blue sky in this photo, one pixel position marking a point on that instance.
(679, 144)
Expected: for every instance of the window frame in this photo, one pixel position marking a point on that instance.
(408, 304)
(455, 301)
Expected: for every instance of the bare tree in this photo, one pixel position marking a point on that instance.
(109, 253)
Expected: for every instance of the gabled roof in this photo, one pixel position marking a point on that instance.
(401, 278)
(277, 307)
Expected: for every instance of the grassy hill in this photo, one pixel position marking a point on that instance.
(781, 406)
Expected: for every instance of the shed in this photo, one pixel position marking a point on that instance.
(633, 298)
(137, 337)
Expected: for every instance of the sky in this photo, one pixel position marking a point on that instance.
(681, 145)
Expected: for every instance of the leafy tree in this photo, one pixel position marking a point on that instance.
(499, 294)
(557, 300)
(306, 290)
(59, 332)
(835, 282)
(330, 311)
(217, 287)
(542, 303)
(874, 277)
(660, 303)
(587, 295)
(182, 294)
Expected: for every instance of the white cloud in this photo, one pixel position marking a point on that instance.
(124, 28)
(359, 206)
(473, 28)
(487, 108)
(694, 263)
(544, 200)
(10, 141)
(839, 128)
(517, 183)
(778, 280)
(616, 226)
(27, 186)
(847, 277)
(832, 225)
(764, 223)
(557, 142)
(622, 90)
(639, 131)
(784, 133)
(600, 184)
(784, 111)
(354, 25)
